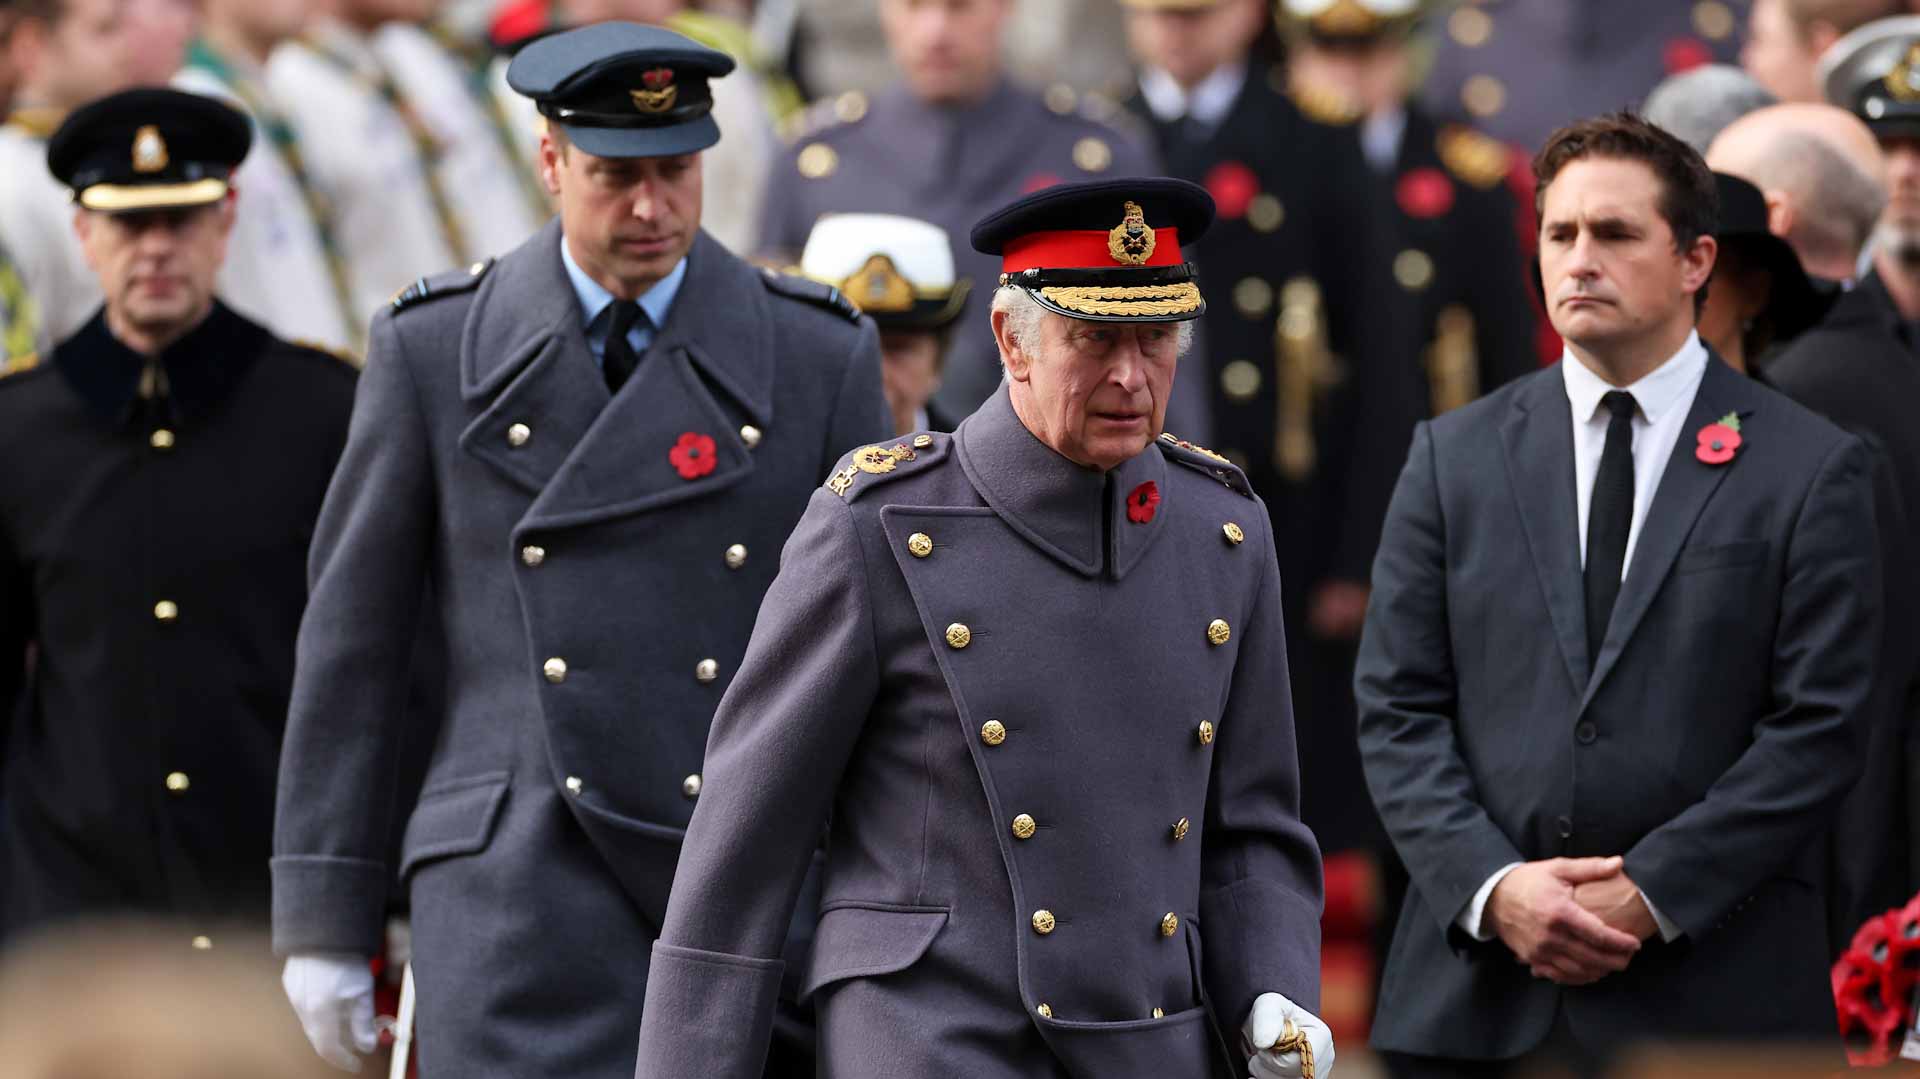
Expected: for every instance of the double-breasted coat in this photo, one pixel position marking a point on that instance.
(596, 563)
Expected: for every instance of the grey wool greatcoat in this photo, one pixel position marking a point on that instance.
(596, 604)
(1057, 749)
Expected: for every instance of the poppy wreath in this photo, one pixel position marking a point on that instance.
(694, 455)
(1874, 984)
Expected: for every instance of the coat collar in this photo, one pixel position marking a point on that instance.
(1075, 515)
(201, 368)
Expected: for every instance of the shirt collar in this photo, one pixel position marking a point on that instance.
(657, 301)
(1657, 391)
(1209, 102)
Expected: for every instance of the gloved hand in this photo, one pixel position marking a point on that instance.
(333, 996)
(1285, 1041)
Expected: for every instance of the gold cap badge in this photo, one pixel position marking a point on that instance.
(658, 92)
(878, 286)
(1903, 82)
(1131, 242)
(149, 150)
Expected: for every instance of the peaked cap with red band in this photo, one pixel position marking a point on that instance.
(1106, 251)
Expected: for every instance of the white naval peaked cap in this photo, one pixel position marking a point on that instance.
(897, 269)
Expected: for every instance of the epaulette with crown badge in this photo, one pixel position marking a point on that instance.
(849, 107)
(813, 292)
(869, 466)
(450, 283)
(1202, 459)
(1326, 105)
(1480, 160)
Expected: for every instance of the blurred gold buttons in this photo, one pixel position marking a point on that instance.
(919, 545)
(959, 636)
(203, 944)
(736, 556)
(706, 671)
(1470, 26)
(1043, 922)
(1169, 924)
(750, 435)
(1205, 732)
(1180, 828)
(575, 785)
(166, 610)
(1092, 154)
(1234, 533)
(1045, 1011)
(690, 786)
(555, 669)
(1713, 19)
(533, 555)
(518, 434)
(1413, 268)
(921, 442)
(1253, 297)
(1024, 827)
(1265, 213)
(178, 783)
(1240, 380)
(850, 107)
(1218, 632)
(161, 439)
(817, 161)
(1484, 96)
(993, 732)
(1061, 98)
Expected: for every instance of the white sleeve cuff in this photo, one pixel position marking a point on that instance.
(1669, 932)
(1470, 918)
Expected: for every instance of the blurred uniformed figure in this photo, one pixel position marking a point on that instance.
(67, 53)
(899, 272)
(284, 266)
(1875, 73)
(394, 141)
(1787, 38)
(951, 140)
(1518, 69)
(1035, 673)
(154, 557)
(592, 451)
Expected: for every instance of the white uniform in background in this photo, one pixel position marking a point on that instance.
(36, 217)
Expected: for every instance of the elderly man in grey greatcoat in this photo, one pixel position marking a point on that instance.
(1034, 672)
(588, 454)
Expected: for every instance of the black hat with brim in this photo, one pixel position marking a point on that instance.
(621, 89)
(1794, 304)
(149, 149)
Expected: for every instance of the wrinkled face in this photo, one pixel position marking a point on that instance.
(1899, 230)
(1189, 44)
(909, 373)
(628, 220)
(1777, 55)
(1607, 257)
(157, 267)
(947, 50)
(1094, 391)
(158, 32)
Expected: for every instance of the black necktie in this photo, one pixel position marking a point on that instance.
(1609, 518)
(618, 361)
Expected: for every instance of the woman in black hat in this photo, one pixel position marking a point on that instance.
(1759, 296)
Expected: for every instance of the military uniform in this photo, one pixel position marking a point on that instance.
(36, 217)
(1047, 708)
(596, 559)
(19, 316)
(152, 562)
(393, 141)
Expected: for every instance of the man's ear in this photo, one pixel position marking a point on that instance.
(1780, 215)
(552, 154)
(1698, 263)
(1012, 354)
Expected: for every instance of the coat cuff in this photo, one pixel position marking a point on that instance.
(327, 904)
(707, 1013)
(1259, 938)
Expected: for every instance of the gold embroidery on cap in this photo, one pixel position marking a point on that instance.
(1131, 242)
(660, 91)
(1903, 82)
(878, 286)
(149, 150)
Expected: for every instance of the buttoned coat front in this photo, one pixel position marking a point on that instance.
(1055, 741)
(597, 586)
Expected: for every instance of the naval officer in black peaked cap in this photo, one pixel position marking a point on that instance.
(1036, 671)
(166, 464)
(591, 450)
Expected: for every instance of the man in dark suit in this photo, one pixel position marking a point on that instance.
(592, 451)
(1614, 676)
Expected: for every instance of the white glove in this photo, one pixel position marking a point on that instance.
(333, 996)
(1275, 1019)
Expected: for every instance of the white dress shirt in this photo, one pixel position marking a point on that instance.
(1662, 399)
(1206, 104)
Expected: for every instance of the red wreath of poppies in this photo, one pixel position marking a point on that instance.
(1142, 502)
(1718, 442)
(694, 456)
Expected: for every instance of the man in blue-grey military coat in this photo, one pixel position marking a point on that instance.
(587, 455)
(1035, 673)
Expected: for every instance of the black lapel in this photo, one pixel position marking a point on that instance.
(1538, 435)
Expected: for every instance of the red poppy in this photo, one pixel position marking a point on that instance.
(693, 456)
(1685, 54)
(1142, 501)
(1424, 193)
(1718, 443)
(1233, 187)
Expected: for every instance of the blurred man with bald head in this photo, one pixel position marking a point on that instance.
(1821, 173)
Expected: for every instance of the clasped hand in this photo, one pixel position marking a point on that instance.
(1571, 920)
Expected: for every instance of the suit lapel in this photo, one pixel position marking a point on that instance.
(1538, 435)
(1685, 488)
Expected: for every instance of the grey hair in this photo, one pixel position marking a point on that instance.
(1025, 316)
(1697, 105)
(1838, 202)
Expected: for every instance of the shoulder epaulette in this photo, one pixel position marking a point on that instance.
(810, 291)
(450, 283)
(343, 355)
(1326, 105)
(1480, 160)
(1202, 459)
(839, 110)
(869, 466)
(20, 364)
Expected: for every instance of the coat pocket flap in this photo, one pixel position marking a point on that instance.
(1721, 555)
(863, 941)
(452, 818)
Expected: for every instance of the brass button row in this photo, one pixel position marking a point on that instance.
(555, 670)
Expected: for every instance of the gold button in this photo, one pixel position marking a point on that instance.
(1092, 154)
(1218, 632)
(1234, 533)
(161, 439)
(533, 555)
(1023, 827)
(203, 944)
(555, 669)
(1043, 922)
(850, 107)
(575, 785)
(993, 732)
(518, 434)
(920, 545)
(1205, 732)
(1265, 213)
(1045, 1011)
(750, 435)
(706, 671)
(1413, 268)
(736, 556)
(921, 442)
(1158, 1014)
(959, 636)
(817, 161)
(1169, 924)
(177, 782)
(1470, 26)
(1713, 19)
(1253, 297)
(1240, 380)
(1484, 96)
(1180, 828)
(166, 610)
(1061, 98)
(690, 786)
